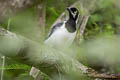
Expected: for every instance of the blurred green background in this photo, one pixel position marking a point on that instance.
(104, 22)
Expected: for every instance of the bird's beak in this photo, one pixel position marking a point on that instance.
(68, 8)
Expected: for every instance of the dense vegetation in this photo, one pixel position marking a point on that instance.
(104, 22)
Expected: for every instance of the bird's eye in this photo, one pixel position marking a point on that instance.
(75, 12)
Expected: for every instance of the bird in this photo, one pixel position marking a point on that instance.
(63, 34)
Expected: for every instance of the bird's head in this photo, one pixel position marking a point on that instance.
(73, 13)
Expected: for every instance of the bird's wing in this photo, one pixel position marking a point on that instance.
(52, 30)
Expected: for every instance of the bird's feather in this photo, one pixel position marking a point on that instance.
(60, 37)
(55, 27)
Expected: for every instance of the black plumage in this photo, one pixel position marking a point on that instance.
(70, 26)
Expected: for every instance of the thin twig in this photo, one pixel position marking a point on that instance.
(3, 57)
(3, 65)
(8, 26)
(81, 27)
(94, 74)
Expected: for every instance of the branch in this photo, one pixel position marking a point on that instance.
(81, 27)
(48, 60)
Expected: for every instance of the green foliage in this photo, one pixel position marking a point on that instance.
(104, 21)
(16, 66)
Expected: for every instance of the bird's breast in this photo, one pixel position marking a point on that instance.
(61, 37)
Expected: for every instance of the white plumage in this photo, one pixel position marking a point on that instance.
(61, 37)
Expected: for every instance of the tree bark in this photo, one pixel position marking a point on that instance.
(50, 61)
(41, 17)
(81, 27)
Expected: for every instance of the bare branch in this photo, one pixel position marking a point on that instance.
(81, 27)
(48, 60)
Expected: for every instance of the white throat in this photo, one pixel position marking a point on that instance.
(61, 38)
